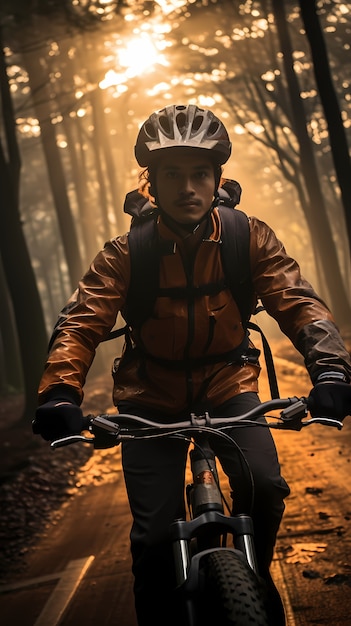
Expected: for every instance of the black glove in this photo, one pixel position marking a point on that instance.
(330, 397)
(56, 419)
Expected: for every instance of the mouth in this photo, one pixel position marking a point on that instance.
(187, 203)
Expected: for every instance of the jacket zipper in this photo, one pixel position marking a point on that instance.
(189, 273)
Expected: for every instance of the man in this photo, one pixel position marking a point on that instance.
(180, 359)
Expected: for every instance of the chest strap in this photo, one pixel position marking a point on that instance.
(241, 355)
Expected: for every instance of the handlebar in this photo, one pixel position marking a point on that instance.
(120, 427)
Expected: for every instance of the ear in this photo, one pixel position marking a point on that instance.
(152, 184)
(218, 171)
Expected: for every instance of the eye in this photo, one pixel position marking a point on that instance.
(171, 173)
(202, 174)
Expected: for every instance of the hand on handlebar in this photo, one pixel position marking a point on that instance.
(58, 418)
(330, 398)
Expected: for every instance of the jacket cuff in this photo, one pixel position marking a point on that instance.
(332, 376)
(61, 393)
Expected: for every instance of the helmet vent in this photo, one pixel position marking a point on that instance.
(150, 131)
(164, 123)
(181, 122)
(213, 127)
(197, 122)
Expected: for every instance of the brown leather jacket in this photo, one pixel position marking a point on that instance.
(179, 330)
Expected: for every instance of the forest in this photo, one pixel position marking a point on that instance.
(78, 78)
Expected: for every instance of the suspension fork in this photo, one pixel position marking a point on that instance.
(182, 531)
(208, 520)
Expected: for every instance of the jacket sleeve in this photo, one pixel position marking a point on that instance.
(85, 321)
(292, 302)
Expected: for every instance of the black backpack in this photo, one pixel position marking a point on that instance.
(145, 251)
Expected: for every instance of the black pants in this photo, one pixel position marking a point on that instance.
(154, 476)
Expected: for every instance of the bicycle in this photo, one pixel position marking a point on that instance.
(214, 581)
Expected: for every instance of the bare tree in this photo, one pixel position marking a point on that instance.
(317, 215)
(39, 78)
(330, 102)
(16, 261)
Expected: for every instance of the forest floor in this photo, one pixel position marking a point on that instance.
(34, 482)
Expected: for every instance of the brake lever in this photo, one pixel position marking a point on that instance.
(292, 418)
(326, 421)
(65, 441)
(102, 422)
(293, 415)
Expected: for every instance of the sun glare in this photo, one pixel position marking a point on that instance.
(140, 55)
(137, 57)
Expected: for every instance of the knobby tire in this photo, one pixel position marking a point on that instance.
(232, 592)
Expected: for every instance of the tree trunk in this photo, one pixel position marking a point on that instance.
(88, 219)
(317, 215)
(16, 261)
(11, 377)
(39, 80)
(110, 190)
(329, 99)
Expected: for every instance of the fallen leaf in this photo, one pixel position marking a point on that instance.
(304, 552)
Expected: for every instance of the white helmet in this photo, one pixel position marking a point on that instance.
(182, 126)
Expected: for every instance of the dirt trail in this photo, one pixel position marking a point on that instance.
(60, 507)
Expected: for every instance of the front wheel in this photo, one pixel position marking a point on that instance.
(232, 592)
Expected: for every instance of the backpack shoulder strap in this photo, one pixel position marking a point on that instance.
(235, 253)
(144, 272)
(237, 270)
(144, 255)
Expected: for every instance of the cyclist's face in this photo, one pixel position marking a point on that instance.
(185, 184)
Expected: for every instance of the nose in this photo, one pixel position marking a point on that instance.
(186, 186)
